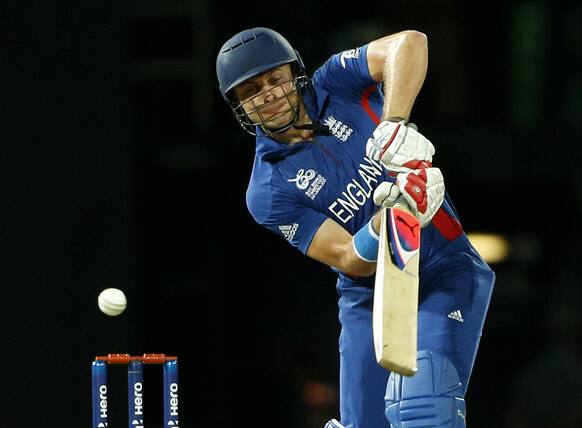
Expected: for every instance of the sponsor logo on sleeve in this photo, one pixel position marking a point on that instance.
(349, 54)
(288, 231)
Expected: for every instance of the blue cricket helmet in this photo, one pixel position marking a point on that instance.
(252, 52)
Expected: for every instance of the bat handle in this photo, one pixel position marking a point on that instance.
(402, 204)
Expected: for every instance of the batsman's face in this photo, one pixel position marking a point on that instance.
(269, 99)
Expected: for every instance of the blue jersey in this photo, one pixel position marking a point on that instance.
(294, 188)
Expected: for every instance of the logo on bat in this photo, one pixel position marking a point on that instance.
(404, 235)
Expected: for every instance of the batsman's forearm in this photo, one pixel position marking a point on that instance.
(404, 74)
(353, 265)
(333, 245)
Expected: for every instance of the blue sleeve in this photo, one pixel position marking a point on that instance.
(284, 216)
(346, 74)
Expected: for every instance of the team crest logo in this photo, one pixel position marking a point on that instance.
(338, 129)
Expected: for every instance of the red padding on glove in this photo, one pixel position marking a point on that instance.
(418, 164)
(416, 188)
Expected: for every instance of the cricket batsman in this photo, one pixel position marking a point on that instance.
(330, 150)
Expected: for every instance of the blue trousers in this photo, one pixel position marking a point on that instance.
(454, 295)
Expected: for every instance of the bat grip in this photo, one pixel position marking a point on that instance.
(402, 204)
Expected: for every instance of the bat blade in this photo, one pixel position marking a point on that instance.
(395, 311)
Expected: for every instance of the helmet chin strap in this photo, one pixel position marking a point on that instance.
(317, 128)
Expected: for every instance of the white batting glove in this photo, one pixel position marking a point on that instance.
(400, 147)
(386, 194)
(422, 189)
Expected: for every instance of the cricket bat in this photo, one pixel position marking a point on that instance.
(395, 310)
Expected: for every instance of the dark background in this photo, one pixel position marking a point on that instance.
(122, 167)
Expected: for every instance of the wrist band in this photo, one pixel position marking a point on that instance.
(365, 243)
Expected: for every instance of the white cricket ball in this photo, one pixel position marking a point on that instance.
(112, 301)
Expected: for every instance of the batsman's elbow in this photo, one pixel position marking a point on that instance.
(416, 37)
(368, 269)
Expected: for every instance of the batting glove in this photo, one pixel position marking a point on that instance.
(422, 189)
(400, 147)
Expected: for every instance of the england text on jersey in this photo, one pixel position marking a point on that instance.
(357, 192)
